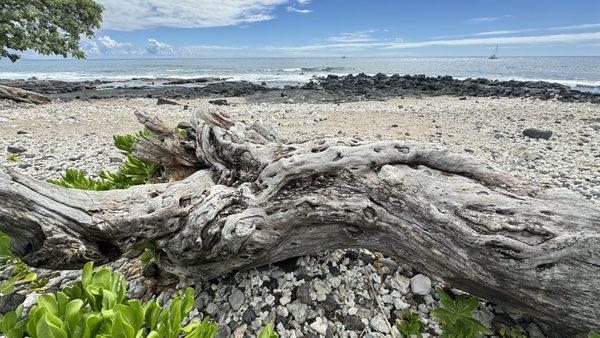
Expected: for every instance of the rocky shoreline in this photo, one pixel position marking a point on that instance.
(332, 88)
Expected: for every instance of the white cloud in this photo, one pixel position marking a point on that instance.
(298, 10)
(510, 40)
(383, 45)
(296, 6)
(353, 37)
(142, 14)
(487, 19)
(105, 45)
(482, 20)
(156, 47)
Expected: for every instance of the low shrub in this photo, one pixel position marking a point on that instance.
(455, 316)
(133, 171)
(96, 306)
(411, 324)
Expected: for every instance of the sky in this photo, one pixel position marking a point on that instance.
(301, 28)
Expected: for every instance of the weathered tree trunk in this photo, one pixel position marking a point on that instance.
(22, 95)
(254, 198)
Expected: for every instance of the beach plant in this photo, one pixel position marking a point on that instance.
(133, 171)
(20, 274)
(47, 26)
(268, 332)
(593, 334)
(516, 331)
(411, 324)
(96, 306)
(456, 318)
(12, 157)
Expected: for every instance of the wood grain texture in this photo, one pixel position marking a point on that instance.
(253, 198)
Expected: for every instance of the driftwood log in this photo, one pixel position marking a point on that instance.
(240, 195)
(22, 95)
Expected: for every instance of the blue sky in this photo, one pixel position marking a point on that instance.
(283, 28)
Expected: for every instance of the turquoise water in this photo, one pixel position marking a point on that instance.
(573, 71)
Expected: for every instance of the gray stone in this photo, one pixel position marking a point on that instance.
(537, 133)
(10, 302)
(400, 283)
(236, 299)
(388, 263)
(299, 311)
(15, 149)
(420, 285)
(319, 325)
(380, 324)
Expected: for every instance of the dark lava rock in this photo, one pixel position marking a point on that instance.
(353, 323)
(10, 302)
(271, 284)
(287, 265)
(303, 294)
(219, 102)
(537, 133)
(15, 149)
(151, 270)
(249, 316)
(162, 101)
(334, 271)
(352, 255)
(21, 132)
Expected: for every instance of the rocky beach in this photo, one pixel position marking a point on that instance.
(541, 131)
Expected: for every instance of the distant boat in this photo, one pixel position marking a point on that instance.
(343, 57)
(494, 55)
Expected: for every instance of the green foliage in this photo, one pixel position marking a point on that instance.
(456, 318)
(593, 334)
(46, 26)
(268, 332)
(133, 171)
(411, 325)
(20, 271)
(12, 157)
(512, 332)
(125, 142)
(96, 306)
(77, 179)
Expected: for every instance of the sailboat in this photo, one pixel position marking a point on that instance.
(494, 55)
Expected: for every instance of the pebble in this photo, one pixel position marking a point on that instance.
(420, 285)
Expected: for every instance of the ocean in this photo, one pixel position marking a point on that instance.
(580, 72)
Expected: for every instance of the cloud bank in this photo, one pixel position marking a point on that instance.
(143, 14)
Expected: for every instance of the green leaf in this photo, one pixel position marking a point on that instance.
(593, 334)
(46, 329)
(120, 328)
(465, 306)
(72, 316)
(268, 332)
(108, 300)
(445, 299)
(8, 286)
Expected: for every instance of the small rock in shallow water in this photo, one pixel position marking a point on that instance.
(420, 285)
